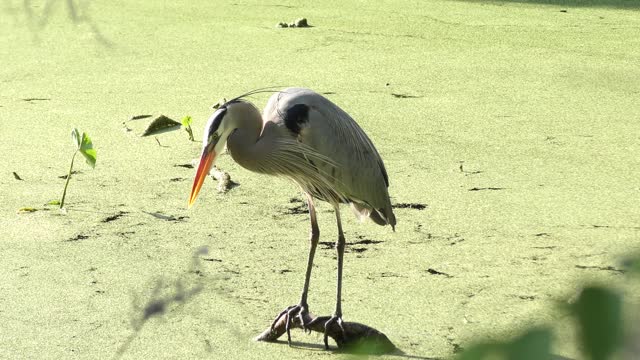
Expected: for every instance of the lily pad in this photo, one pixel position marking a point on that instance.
(161, 124)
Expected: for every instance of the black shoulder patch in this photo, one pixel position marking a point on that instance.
(296, 115)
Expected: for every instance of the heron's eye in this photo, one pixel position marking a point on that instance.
(213, 137)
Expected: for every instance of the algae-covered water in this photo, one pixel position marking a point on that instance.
(510, 132)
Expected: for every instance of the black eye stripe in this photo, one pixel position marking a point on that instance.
(217, 120)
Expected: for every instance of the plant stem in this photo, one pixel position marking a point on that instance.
(190, 132)
(64, 193)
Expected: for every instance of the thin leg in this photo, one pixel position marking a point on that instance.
(314, 236)
(337, 315)
(340, 244)
(303, 307)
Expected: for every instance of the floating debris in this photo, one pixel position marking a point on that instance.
(138, 117)
(223, 177)
(298, 23)
(302, 22)
(26, 210)
(160, 125)
(186, 166)
(416, 206)
(15, 175)
(217, 105)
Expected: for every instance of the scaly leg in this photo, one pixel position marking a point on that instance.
(337, 315)
(303, 307)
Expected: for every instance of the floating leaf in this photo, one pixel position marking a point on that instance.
(54, 202)
(160, 125)
(87, 150)
(75, 136)
(27, 210)
(599, 313)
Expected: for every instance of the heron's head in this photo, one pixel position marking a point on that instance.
(220, 125)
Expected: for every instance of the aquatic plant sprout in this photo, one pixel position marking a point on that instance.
(186, 123)
(84, 146)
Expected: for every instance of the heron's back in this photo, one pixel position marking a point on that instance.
(355, 171)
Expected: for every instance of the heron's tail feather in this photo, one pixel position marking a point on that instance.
(379, 216)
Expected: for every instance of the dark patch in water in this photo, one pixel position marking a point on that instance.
(114, 216)
(186, 166)
(138, 117)
(349, 246)
(436, 272)
(78, 238)
(166, 217)
(415, 206)
(404, 96)
(603, 268)
(297, 210)
(72, 173)
(486, 188)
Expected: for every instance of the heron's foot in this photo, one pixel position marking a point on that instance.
(334, 320)
(290, 313)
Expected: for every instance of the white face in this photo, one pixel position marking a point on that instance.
(215, 132)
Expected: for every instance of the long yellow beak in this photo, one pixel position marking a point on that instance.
(203, 170)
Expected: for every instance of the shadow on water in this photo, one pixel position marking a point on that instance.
(320, 348)
(78, 13)
(618, 4)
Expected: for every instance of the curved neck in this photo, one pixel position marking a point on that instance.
(249, 143)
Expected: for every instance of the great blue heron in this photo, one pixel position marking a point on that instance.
(305, 137)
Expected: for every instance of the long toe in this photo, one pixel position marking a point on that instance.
(290, 313)
(334, 320)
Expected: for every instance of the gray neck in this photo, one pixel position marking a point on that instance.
(250, 144)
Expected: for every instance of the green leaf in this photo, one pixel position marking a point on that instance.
(535, 344)
(632, 264)
(54, 202)
(483, 351)
(75, 136)
(186, 121)
(598, 311)
(27, 210)
(87, 150)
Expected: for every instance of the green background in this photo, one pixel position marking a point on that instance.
(537, 100)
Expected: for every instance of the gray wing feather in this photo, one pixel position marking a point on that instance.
(358, 172)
